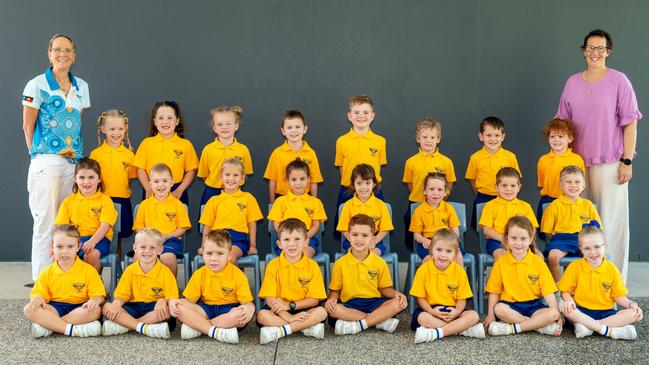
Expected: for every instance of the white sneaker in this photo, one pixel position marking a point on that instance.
(389, 325)
(268, 335)
(347, 327)
(38, 331)
(582, 331)
(158, 330)
(89, 329)
(624, 333)
(316, 331)
(187, 332)
(424, 334)
(499, 328)
(227, 335)
(475, 331)
(111, 328)
(550, 329)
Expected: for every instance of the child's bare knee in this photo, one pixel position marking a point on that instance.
(472, 315)
(500, 308)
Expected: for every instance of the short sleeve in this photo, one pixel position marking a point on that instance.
(319, 214)
(383, 154)
(539, 173)
(450, 171)
(453, 219)
(182, 217)
(139, 161)
(193, 288)
(203, 164)
(170, 285)
(472, 168)
(345, 216)
(487, 217)
(627, 104)
(208, 217)
(95, 285)
(63, 215)
(417, 222)
(384, 279)
(338, 161)
(108, 212)
(271, 168)
(84, 92)
(568, 282)
(593, 215)
(253, 213)
(32, 95)
(276, 212)
(617, 288)
(244, 295)
(419, 283)
(139, 218)
(407, 172)
(336, 281)
(269, 287)
(529, 214)
(495, 281)
(41, 286)
(464, 289)
(124, 291)
(549, 219)
(514, 163)
(191, 159)
(316, 288)
(314, 168)
(246, 160)
(386, 220)
(547, 284)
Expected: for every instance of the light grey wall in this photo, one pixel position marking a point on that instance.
(456, 61)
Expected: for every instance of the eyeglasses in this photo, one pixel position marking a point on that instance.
(62, 50)
(591, 49)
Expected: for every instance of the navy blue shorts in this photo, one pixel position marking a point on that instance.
(209, 192)
(314, 242)
(493, 245)
(291, 312)
(526, 308)
(140, 309)
(566, 242)
(347, 245)
(63, 308)
(365, 305)
(597, 314)
(414, 323)
(241, 240)
(184, 198)
(126, 216)
(102, 246)
(173, 245)
(215, 310)
(344, 195)
(545, 199)
(423, 252)
(479, 198)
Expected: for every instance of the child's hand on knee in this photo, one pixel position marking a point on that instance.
(403, 301)
(174, 307)
(568, 307)
(161, 310)
(330, 305)
(36, 303)
(113, 310)
(91, 304)
(299, 317)
(246, 312)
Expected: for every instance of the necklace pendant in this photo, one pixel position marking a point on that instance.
(588, 92)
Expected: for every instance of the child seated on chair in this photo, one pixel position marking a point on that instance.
(217, 300)
(293, 288)
(591, 287)
(299, 204)
(498, 211)
(442, 287)
(165, 213)
(140, 300)
(68, 294)
(564, 218)
(361, 293)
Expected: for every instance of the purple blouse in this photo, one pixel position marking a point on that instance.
(600, 112)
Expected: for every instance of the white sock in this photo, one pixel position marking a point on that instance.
(605, 331)
(439, 333)
(285, 330)
(141, 327)
(363, 324)
(213, 331)
(516, 328)
(69, 330)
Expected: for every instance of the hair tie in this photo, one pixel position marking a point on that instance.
(592, 223)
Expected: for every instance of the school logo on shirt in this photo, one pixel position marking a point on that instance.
(226, 291)
(178, 153)
(240, 158)
(533, 278)
(584, 219)
(78, 287)
(452, 288)
(444, 221)
(372, 273)
(125, 165)
(242, 206)
(373, 151)
(606, 285)
(156, 291)
(308, 211)
(307, 160)
(170, 216)
(304, 281)
(96, 211)
(439, 170)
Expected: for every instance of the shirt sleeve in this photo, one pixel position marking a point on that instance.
(419, 283)
(191, 159)
(336, 281)
(464, 289)
(271, 167)
(124, 291)
(41, 286)
(627, 106)
(253, 213)
(316, 288)
(617, 288)
(244, 295)
(84, 92)
(276, 212)
(203, 164)
(564, 110)
(495, 281)
(182, 217)
(407, 172)
(95, 285)
(314, 168)
(192, 290)
(108, 212)
(453, 219)
(338, 161)
(539, 173)
(384, 279)
(487, 217)
(208, 216)
(514, 163)
(139, 160)
(63, 215)
(247, 161)
(139, 218)
(529, 214)
(547, 284)
(319, 214)
(343, 219)
(568, 282)
(383, 154)
(471, 169)
(386, 219)
(549, 219)
(170, 285)
(450, 171)
(32, 95)
(269, 285)
(416, 223)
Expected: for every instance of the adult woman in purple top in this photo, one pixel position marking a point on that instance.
(603, 105)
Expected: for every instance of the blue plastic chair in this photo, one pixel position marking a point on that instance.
(469, 259)
(111, 260)
(391, 258)
(182, 260)
(251, 261)
(322, 258)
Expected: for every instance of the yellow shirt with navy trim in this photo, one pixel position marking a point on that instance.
(137, 286)
(212, 157)
(373, 207)
(231, 211)
(116, 169)
(427, 220)
(420, 165)
(520, 281)
(87, 213)
(360, 279)
(444, 287)
(593, 288)
(353, 149)
(304, 207)
(228, 286)
(80, 283)
(292, 282)
(564, 216)
(483, 167)
(176, 152)
(164, 215)
(497, 212)
(549, 167)
(282, 156)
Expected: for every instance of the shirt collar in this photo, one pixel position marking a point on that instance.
(226, 269)
(292, 197)
(105, 147)
(54, 85)
(76, 267)
(598, 269)
(354, 261)
(499, 152)
(171, 139)
(565, 154)
(500, 201)
(220, 145)
(352, 133)
(428, 208)
(236, 194)
(286, 148)
(369, 203)
(153, 272)
(435, 271)
(284, 263)
(564, 200)
(512, 260)
(435, 153)
(168, 199)
(78, 196)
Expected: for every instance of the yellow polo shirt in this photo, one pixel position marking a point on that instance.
(80, 283)
(360, 279)
(303, 207)
(444, 287)
(137, 286)
(373, 207)
(292, 282)
(353, 149)
(549, 169)
(497, 212)
(231, 211)
(116, 169)
(427, 220)
(564, 216)
(483, 167)
(282, 156)
(164, 215)
(228, 286)
(520, 281)
(420, 165)
(212, 157)
(176, 152)
(87, 213)
(593, 288)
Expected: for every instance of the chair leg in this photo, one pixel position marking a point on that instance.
(409, 281)
(327, 273)
(473, 283)
(113, 275)
(480, 278)
(257, 274)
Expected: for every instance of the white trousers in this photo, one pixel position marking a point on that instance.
(612, 201)
(49, 181)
